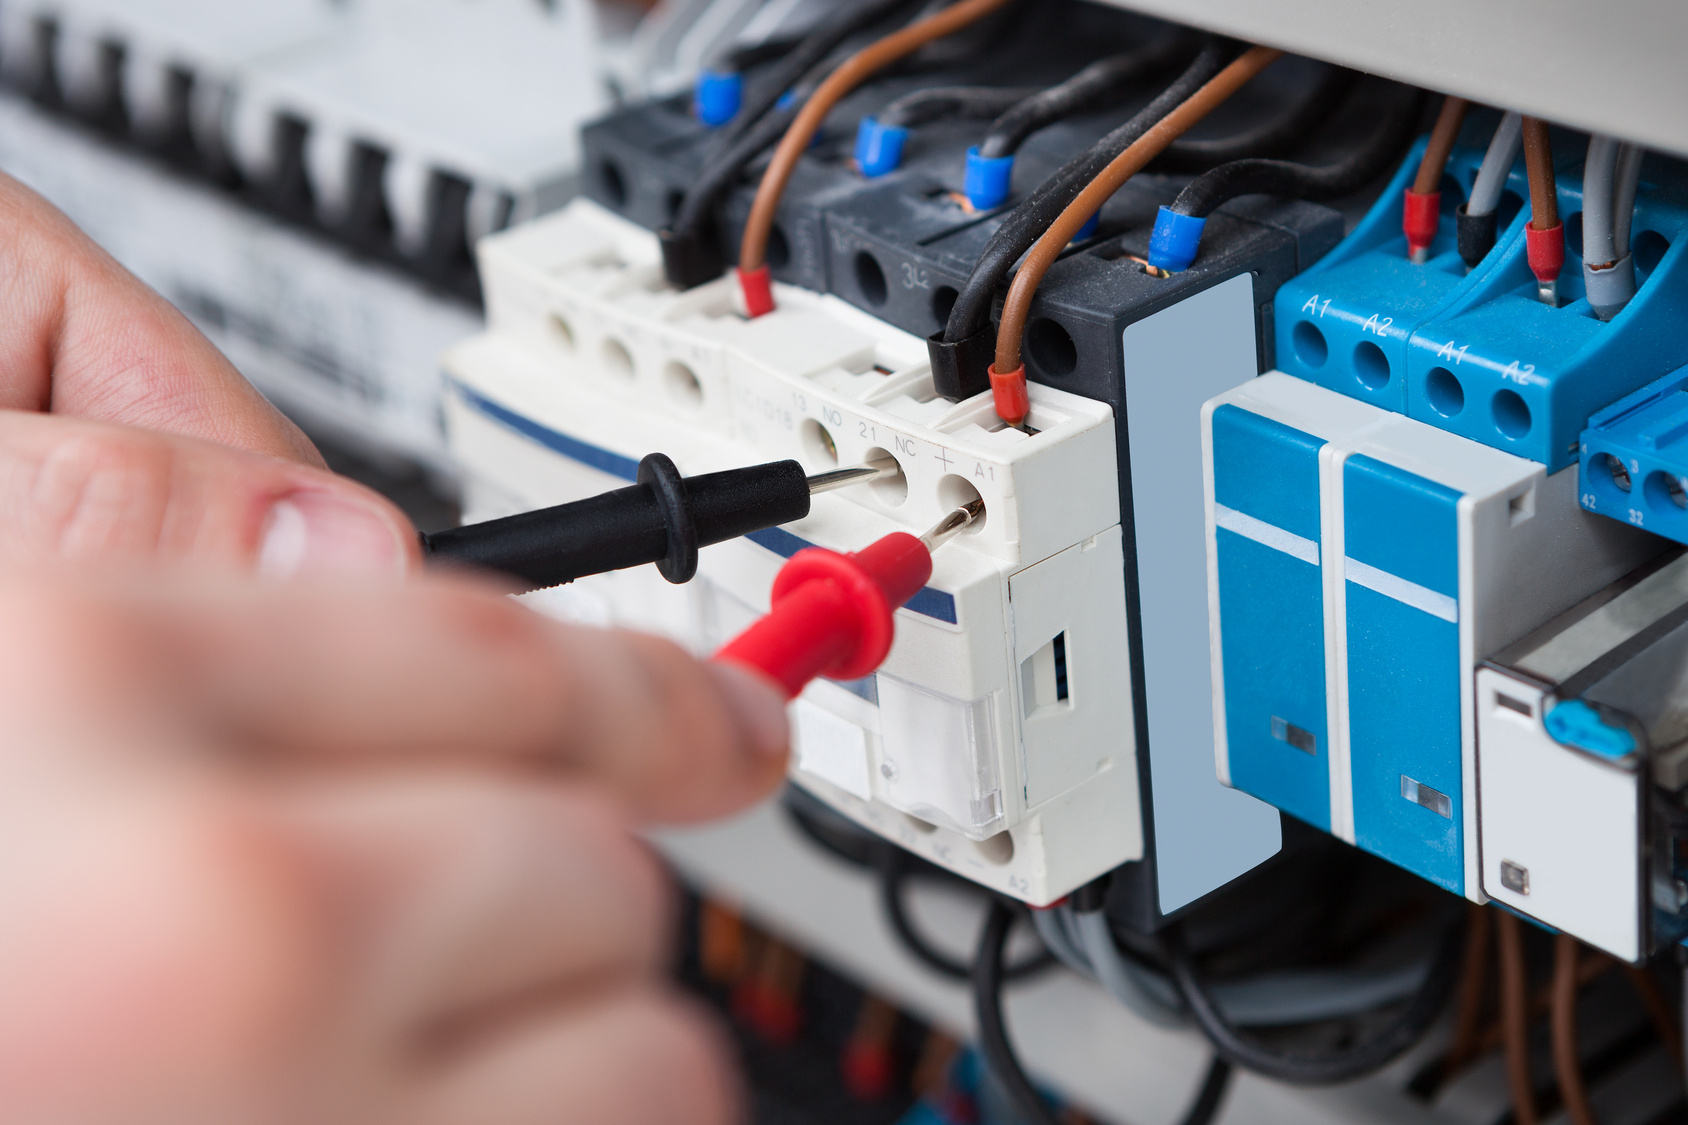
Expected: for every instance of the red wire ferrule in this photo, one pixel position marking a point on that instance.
(867, 1070)
(1421, 219)
(1013, 402)
(1546, 251)
(757, 285)
(831, 613)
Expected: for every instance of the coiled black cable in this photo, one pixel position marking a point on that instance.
(895, 867)
(1026, 223)
(1272, 137)
(1203, 195)
(1304, 1069)
(1091, 87)
(966, 102)
(989, 976)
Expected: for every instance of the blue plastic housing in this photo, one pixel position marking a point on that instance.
(1635, 459)
(1496, 365)
(1345, 323)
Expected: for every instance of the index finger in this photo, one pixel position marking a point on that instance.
(441, 670)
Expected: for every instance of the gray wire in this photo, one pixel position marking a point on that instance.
(1085, 944)
(1626, 180)
(1124, 981)
(1497, 165)
(1599, 169)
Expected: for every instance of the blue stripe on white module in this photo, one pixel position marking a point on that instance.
(929, 602)
(1266, 535)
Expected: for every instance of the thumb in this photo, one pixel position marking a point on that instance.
(78, 491)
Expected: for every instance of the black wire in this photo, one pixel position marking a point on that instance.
(829, 829)
(1300, 181)
(1270, 138)
(923, 106)
(1326, 1068)
(895, 868)
(1026, 224)
(1211, 1095)
(988, 979)
(1091, 87)
(721, 172)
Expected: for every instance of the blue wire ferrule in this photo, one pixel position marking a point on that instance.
(716, 97)
(879, 148)
(987, 181)
(1176, 239)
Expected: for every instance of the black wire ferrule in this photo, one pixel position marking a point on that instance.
(690, 259)
(962, 369)
(1476, 235)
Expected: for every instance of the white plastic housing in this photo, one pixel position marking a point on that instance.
(969, 745)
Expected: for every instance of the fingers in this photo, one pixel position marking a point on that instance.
(82, 336)
(461, 903)
(439, 670)
(78, 491)
(631, 1059)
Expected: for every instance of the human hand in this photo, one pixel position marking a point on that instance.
(125, 435)
(357, 853)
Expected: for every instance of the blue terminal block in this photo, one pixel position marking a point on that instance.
(1500, 367)
(1345, 323)
(1635, 458)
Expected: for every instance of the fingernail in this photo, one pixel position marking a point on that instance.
(318, 533)
(758, 707)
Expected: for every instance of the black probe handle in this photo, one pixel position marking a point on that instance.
(664, 519)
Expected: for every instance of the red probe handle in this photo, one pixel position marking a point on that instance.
(831, 613)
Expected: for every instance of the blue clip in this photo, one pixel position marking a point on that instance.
(879, 148)
(716, 97)
(1575, 723)
(988, 180)
(1173, 245)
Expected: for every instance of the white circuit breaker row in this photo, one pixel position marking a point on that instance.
(997, 740)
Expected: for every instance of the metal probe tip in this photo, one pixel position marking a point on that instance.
(878, 469)
(954, 524)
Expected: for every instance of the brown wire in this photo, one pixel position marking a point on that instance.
(1538, 162)
(1127, 164)
(1515, 1019)
(1442, 137)
(851, 73)
(1473, 992)
(1658, 1008)
(1567, 1059)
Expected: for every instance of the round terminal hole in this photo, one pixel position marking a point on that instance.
(998, 849)
(1051, 348)
(1371, 366)
(618, 361)
(1665, 494)
(1614, 470)
(613, 183)
(958, 492)
(1649, 249)
(1442, 388)
(778, 253)
(870, 279)
(1512, 414)
(562, 333)
(943, 303)
(892, 491)
(1310, 346)
(817, 443)
(682, 383)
